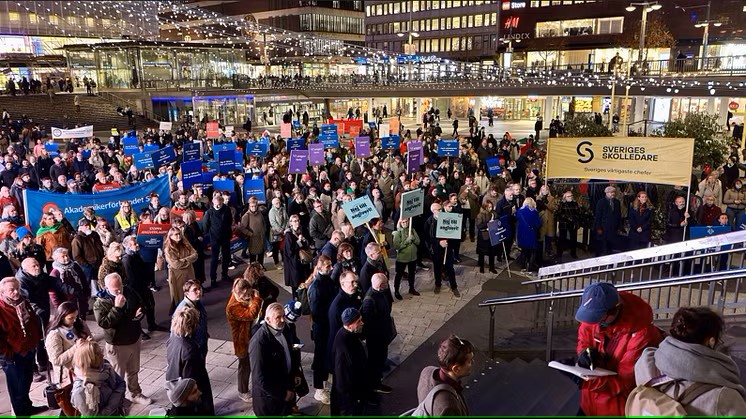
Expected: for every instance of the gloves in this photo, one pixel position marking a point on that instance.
(589, 358)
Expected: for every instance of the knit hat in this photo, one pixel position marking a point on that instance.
(598, 299)
(350, 315)
(178, 390)
(22, 232)
(292, 310)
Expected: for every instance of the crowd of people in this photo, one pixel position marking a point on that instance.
(73, 270)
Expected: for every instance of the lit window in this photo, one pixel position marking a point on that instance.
(416, 6)
(456, 23)
(456, 3)
(397, 8)
(436, 5)
(478, 21)
(106, 22)
(33, 18)
(72, 20)
(367, 10)
(54, 19)
(14, 16)
(435, 26)
(90, 22)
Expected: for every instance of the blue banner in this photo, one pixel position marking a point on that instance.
(207, 179)
(143, 161)
(499, 230)
(217, 148)
(164, 156)
(257, 148)
(131, 145)
(191, 173)
(296, 124)
(255, 187)
(329, 142)
(296, 144)
(697, 232)
(329, 130)
(372, 125)
(448, 148)
(50, 147)
(493, 166)
(191, 151)
(390, 143)
(149, 148)
(105, 204)
(226, 163)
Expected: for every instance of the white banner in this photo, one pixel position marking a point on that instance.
(166, 126)
(82, 132)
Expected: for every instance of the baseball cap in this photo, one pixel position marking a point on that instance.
(598, 299)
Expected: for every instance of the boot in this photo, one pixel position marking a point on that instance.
(397, 295)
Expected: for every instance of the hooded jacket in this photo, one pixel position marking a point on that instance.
(100, 393)
(693, 363)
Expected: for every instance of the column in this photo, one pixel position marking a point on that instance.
(547, 114)
(722, 112)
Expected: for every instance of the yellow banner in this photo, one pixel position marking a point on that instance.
(636, 159)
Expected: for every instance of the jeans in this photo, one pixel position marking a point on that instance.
(19, 373)
(733, 215)
(244, 372)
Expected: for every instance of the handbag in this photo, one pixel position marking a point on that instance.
(51, 390)
(301, 389)
(305, 304)
(305, 255)
(60, 397)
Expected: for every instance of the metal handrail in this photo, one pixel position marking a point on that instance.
(118, 100)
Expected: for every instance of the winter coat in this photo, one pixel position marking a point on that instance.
(271, 378)
(568, 215)
(406, 245)
(445, 403)
(674, 230)
(642, 219)
(471, 196)
(294, 271)
(87, 249)
(278, 222)
(484, 244)
(14, 337)
(529, 223)
(376, 312)
(731, 195)
(73, 279)
(100, 393)
(51, 240)
(255, 228)
(200, 333)
(350, 364)
(320, 228)
(694, 363)
(107, 267)
(39, 290)
(119, 324)
(142, 275)
(716, 189)
(607, 221)
(547, 206)
(184, 360)
(708, 216)
(620, 345)
(180, 259)
(344, 265)
(241, 315)
(321, 293)
(217, 224)
(341, 302)
(370, 268)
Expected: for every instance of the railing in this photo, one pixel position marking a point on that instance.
(119, 101)
(644, 127)
(706, 271)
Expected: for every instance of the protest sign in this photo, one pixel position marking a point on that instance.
(354, 131)
(165, 126)
(143, 161)
(330, 142)
(298, 161)
(151, 236)
(296, 144)
(213, 130)
(149, 148)
(499, 230)
(255, 187)
(316, 154)
(394, 125)
(217, 148)
(697, 232)
(362, 147)
(286, 130)
(257, 148)
(412, 203)
(493, 166)
(383, 130)
(131, 145)
(359, 211)
(164, 156)
(449, 225)
(448, 148)
(224, 185)
(413, 160)
(226, 163)
(191, 173)
(207, 178)
(417, 145)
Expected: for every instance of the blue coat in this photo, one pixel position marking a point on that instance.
(529, 223)
(607, 222)
(637, 219)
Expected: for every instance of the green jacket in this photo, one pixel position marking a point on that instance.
(406, 246)
(119, 324)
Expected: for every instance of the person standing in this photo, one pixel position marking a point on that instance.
(193, 299)
(273, 368)
(321, 293)
(484, 243)
(615, 328)
(538, 127)
(218, 222)
(349, 388)
(98, 390)
(179, 255)
(20, 332)
(607, 220)
(677, 221)
(143, 276)
(640, 217)
(242, 309)
(455, 127)
(379, 330)
(456, 362)
(255, 228)
(118, 310)
(295, 271)
(406, 256)
(568, 212)
(320, 228)
(278, 222)
(527, 235)
(442, 251)
(373, 265)
(184, 357)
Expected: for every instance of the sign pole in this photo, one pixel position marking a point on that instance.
(507, 262)
(372, 233)
(410, 226)
(445, 254)
(688, 192)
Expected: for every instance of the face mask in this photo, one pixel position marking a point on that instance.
(738, 187)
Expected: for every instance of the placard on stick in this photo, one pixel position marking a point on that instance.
(361, 210)
(449, 225)
(412, 203)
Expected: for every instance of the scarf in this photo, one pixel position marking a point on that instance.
(21, 311)
(68, 269)
(53, 228)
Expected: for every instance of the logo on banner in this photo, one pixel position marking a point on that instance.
(56, 132)
(586, 154)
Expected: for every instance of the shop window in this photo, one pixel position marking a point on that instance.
(611, 25)
(54, 19)
(14, 16)
(33, 18)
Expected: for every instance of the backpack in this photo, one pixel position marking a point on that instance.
(650, 399)
(425, 409)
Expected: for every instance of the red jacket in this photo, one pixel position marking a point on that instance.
(12, 340)
(620, 346)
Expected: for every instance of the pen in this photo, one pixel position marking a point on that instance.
(590, 360)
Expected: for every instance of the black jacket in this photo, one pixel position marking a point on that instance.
(37, 289)
(140, 276)
(330, 250)
(218, 224)
(119, 324)
(371, 268)
(321, 293)
(376, 311)
(350, 367)
(337, 307)
(270, 377)
(184, 360)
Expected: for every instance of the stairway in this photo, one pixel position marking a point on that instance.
(520, 388)
(93, 111)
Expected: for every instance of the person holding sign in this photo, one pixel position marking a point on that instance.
(484, 245)
(529, 223)
(442, 251)
(406, 242)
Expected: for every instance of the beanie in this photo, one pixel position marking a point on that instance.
(22, 232)
(178, 390)
(350, 315)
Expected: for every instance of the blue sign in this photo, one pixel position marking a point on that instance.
(448, 148)
(390, 143)
(697, 232)
(191, 173)
(212, 166)
(105, 204)
(130, 145)
(372, 125)
(149, 148)
(191, 151)
(52, 147)
(296, 144)
(329, 130)
(164, 156)
(226, 162)
(225, 185)
(499, 230)
(255, 187)
(296, 124)
(86, 153)
(257, 148)
(207, 178)
(238, 160)
(493, 166)
(329, 142)
(216, 148)
(143, 161)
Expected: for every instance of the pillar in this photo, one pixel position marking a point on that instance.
(722, 112)
(547, 114)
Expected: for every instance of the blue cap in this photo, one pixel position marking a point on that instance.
(292, 310)
(350, 315)
(598, 299)
(22, 232)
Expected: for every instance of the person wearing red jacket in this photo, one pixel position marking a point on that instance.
(615, 327)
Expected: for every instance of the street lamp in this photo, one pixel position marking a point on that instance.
(409, 49)
(647, 7)
(705, 24)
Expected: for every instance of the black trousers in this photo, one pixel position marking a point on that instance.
(318, 365)
(440, 268)
(568, 239)
(405, 268)
(377, 354)
(219, 249)
(244, 372)
(257, 258)
(491, 261)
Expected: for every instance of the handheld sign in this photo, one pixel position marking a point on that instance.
(316, 154)
(296, 144)
(143, 161)
(413, 160)
(329, 142)
(226, 163)
(257, 148)
(383, 130)
(286, 130)
(417, 145)
(130, 145)
(150, 236)
(412, 203)
(213, 130)
(493, 166)
(217, 148)
(359, 211)
(394, 125)
(390, 143)
(362, 147)
(448, 148)
(255, 187)
(164, 156)
(192, 151)
(191, 173)
(697, 232)
(449, 225)
(149, 148)
(298, 161)
(165, 126)
(499, 230)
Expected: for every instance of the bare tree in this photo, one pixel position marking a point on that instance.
(552, 49)
(657, 35)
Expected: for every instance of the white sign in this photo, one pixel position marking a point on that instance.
(383, 131)
(82, 132)
(165, 126)
(229, 130)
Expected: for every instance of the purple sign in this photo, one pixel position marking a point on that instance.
(298, 161)
(413, 160)
(416, 145)
(316, 154)
(362, 146)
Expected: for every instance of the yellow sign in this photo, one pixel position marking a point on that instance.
(636, 159)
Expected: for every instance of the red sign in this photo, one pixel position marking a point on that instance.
(152, 229)
(733, 106)
(177, 213)
(512, 22)
(213, 130)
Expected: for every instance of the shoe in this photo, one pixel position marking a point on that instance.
(279, 267)
(472, 239)
(423, 267)
(383, 389)
(246, 397)
(436, 290)
(322, 396)
(231, 267)
(414, 292)
(42, 368)
(144, 336)
(141, 399)
(456, 293)
(268, 254)
(155, 288)
(35, 410)
(39, 377)
(398, 296)
(456, 260)
(157, 328)
(493, 270)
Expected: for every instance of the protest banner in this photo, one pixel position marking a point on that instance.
(359, 211)
(143, 161)
(52, 148)
(412, 203)
(362, 147)
(151, 236)
(296, 144)
(255, 187)
(164, 156)
(354, 131)
(448, 148)
(165, 126)
(226, 162)
(417, 145)
(697, 232)
(105, 204)
(213, 130)
(493, 166)
(316, 154)
(286, 130)
(80, 132)
(191, 173)
(383, 130)
(298, 161)
(150, 148)
(131, 145)
(257, 148)
(449, 225)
